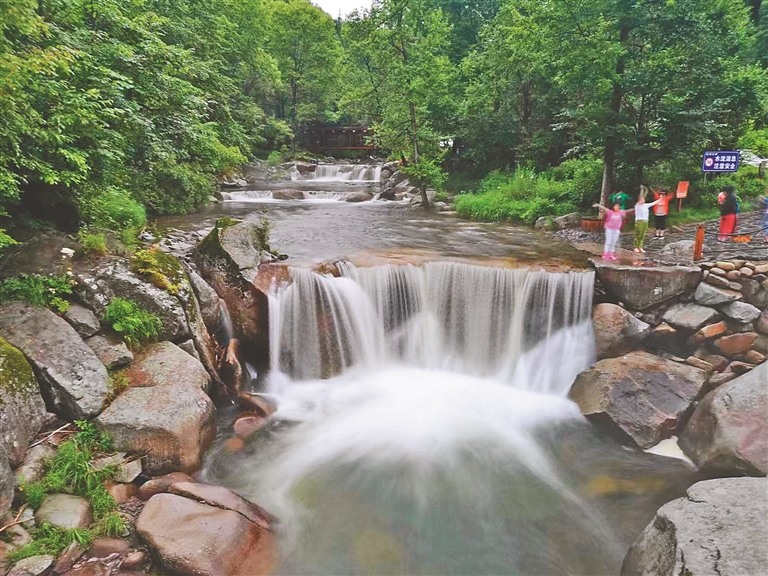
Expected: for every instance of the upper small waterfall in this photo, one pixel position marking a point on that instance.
(338, 172)
(532, 329)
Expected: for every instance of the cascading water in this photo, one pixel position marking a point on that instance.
(340, 173)
(429, 429)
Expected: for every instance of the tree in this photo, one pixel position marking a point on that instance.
(407, 81)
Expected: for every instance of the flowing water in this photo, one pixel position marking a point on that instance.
(423, 427)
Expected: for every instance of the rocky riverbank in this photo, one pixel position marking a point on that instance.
(681, 353)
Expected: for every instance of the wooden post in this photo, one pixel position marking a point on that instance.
(698, 245)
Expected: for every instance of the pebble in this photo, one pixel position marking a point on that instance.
(746, 272)
(727, 266)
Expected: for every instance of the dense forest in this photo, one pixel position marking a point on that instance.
(112, 109)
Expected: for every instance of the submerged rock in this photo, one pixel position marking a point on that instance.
(22, 410)
(188, 537)
(720, 527)
(616, 330)
(72, 379)
(640, 397)
(728, 432)
(641, 287)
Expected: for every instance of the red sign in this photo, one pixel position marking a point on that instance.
(682, 189)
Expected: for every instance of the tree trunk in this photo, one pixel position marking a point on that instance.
(422, 187)
(610, 137)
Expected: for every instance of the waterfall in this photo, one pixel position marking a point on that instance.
(340, 173)
(529, 329)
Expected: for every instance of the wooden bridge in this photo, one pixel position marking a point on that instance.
(334, 137)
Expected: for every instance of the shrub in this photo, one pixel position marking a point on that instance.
(135, 324)
(45, 291)
(275, 157)
(114, 209)
(162, 269)
(93, 242)
(6, 240)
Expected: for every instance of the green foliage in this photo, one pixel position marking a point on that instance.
(93, 242)
(162, 269)
(522, 195)
(113, 209)
(275, 157)
(118, 383)
(51, 540)
(44, 291)
(135, 324)
(5, 241)
(426, 173)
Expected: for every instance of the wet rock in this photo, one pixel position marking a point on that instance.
(248, 424)
(33, 566)
(738, 367)
(174, 424)
(134, 560)
(72, 379)
(187, 537)
(288, 195)
(22, 410)
(6, 481)
(161, 484)
(689, 316)
(642, 287)
(616, 330)
(65, 511)
(639, 397)
(708, 295)
(111, 350)
(359, 197)
(728, 432)
(114, 278)
(165, 364)
(210, 307)
(258, 402)
(223, 498)
(32, 468)
(736, 343)
(740, 311)
(720, 527)
(68, 557)
(82, 320)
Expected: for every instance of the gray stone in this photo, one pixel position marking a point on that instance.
(571, 220)
(68, 557)
(708, 295)
(690, 316)
(223, 498)
(616, 330)
(114, 278)
(7, 481)
(740, 311)
(754, 293)
(128, 471)
(32, 566)
(762, 323)
(642, 287)
(728, 432)
(210, 306)
(719, 528)
(82, 320)
(112, 352)
(639, 397)
(32, 468)
(22, 410)
(544, 223)
(717, 280)
(65, 511)
(359, 197)
(681, 251)
(72, 379)
(188, 537)
(189, 347)
(165, 364)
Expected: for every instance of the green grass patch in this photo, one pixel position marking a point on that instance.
(93, 243)
(38, 290)
(692, 215)
(136, 325)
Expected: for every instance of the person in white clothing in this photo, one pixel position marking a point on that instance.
(641, 219)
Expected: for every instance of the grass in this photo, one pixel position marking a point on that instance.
(93, 243)
(71, 471)
(118, 383)
(692, 215)
(135, 324)
(38, 290)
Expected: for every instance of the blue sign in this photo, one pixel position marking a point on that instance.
(721, 161)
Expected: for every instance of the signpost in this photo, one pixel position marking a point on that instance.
(682, 192)
(721, 161)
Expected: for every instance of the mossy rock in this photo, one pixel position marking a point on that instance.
(22, 409)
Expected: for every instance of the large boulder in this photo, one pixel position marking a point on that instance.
(708, 295)
(73, 381)
(571, 220)
(741, 311)
(230, 258)
(7, 482)
(223, 498)
(719, 528)
(22, 410)
(641, 287)
(65, 511)
(111, 350)
(189, 537)
(164, 413)
(728, 432)
(616, 330)
(165, 364)
(689, 316)
(114, 278)
(680, 251)
(210, 307)
(640, 397)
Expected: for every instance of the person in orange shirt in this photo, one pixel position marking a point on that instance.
(660, 211)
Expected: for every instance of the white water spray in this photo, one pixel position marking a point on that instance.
(340, 173)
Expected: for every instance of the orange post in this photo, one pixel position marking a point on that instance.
(698, 245)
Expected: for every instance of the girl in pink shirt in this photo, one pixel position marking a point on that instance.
(613, 221)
